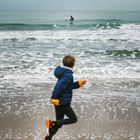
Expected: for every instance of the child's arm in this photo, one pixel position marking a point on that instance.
(78, 84)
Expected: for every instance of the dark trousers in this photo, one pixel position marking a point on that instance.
(62, 111)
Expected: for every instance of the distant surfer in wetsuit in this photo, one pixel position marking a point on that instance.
(71, 19)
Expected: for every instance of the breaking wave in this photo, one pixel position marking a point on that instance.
(118, 53)
(59, 26)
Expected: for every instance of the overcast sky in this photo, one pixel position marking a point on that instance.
(70, 4)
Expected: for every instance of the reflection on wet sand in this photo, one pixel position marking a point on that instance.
(100, 117)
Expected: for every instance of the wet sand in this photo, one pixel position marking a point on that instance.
(111, 117)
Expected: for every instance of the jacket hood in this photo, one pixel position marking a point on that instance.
(61, 70)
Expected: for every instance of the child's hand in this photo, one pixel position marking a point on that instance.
(81, 83)
(55, 101)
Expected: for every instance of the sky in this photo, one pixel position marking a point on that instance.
(70, 4)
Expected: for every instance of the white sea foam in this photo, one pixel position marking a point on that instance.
(35, 61)
(126, 31)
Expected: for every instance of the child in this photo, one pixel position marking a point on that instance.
(62, 95)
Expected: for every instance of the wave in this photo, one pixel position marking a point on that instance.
(118, 53)
(20, 26)
(123, 53)
(31, 38)
(100, 26)
(59, 26)
(17, 39)
(66, 24)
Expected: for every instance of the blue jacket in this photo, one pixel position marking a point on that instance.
(64, 85)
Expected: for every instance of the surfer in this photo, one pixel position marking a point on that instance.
(62, 96)
(71, 18)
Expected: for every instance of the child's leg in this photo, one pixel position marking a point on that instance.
(59, 116)
(53, 130)
(48, 138)
(68, 111)
(60, 112)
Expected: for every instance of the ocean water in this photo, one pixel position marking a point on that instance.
(106, 45)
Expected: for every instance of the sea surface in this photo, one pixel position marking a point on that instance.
(106, 45)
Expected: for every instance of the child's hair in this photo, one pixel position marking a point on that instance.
(68, 61)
